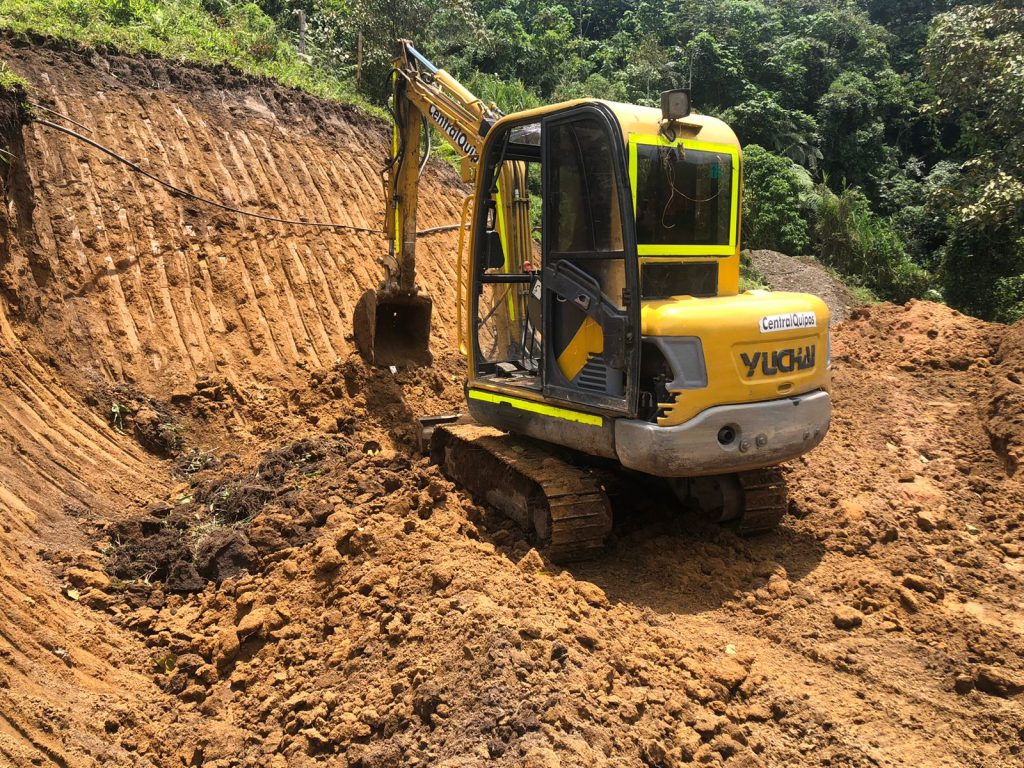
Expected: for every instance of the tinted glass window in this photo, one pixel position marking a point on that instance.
(683, 196)
(584, 200)
(661, 281)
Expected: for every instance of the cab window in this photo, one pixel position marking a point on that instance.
(683, 196)
(584, 198)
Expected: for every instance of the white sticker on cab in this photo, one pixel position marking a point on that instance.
(792, 321)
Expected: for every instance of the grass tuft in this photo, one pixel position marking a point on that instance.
(11, 81)
(750, 278)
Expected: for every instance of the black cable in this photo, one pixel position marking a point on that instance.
(58, 114)
(497, 167)
(444, 228)
(254, 214)
(396, 115)
(185, 193)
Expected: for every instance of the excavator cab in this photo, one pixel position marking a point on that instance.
(556, 316)
(640, 346)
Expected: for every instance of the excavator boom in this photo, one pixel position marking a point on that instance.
(392, 324)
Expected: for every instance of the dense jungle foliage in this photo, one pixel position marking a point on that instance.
(884, 137)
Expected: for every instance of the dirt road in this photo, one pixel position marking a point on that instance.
(217, 547)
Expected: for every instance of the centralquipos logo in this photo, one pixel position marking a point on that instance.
(792, 321)
(458, 136)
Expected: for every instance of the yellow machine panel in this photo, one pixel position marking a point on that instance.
(745, 363)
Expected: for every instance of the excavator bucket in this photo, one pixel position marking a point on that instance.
(393, 328)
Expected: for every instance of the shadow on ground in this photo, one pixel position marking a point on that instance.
(670, 561)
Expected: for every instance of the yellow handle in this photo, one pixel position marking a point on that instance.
(462, 278)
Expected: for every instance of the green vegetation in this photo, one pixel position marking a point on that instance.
(165, 662)
(886, 137)
(974, 60)
(774, 187)
(750, 278)
(10, 80)
(204, 31)
(854, 241)
(14, 86)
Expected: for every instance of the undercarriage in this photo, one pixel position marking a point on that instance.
(564, 499)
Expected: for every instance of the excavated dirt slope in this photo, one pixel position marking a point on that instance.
(217, 548)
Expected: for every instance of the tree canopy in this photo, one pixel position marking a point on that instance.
(886, 137)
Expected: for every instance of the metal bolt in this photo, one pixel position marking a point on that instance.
(744, 446)
(762, 441)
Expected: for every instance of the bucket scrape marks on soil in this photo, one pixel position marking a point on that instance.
(122, 276)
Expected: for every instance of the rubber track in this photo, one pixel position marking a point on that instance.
(564, 507)
(764, 500)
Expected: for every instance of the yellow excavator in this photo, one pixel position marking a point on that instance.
(599, 311)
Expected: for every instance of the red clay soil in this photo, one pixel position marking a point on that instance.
(218, 548)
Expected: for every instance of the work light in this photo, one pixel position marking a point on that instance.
(675, 104)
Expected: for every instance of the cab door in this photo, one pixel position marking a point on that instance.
(589, 296)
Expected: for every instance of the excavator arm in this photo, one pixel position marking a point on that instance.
(392, 325)
(423, 95)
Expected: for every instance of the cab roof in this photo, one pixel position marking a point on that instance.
(635, 119)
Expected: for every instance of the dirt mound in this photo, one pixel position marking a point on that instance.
(408, 626)
(206, 533)
(245, 564)
(1005, 415)
(403, 636)
(804, 274)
